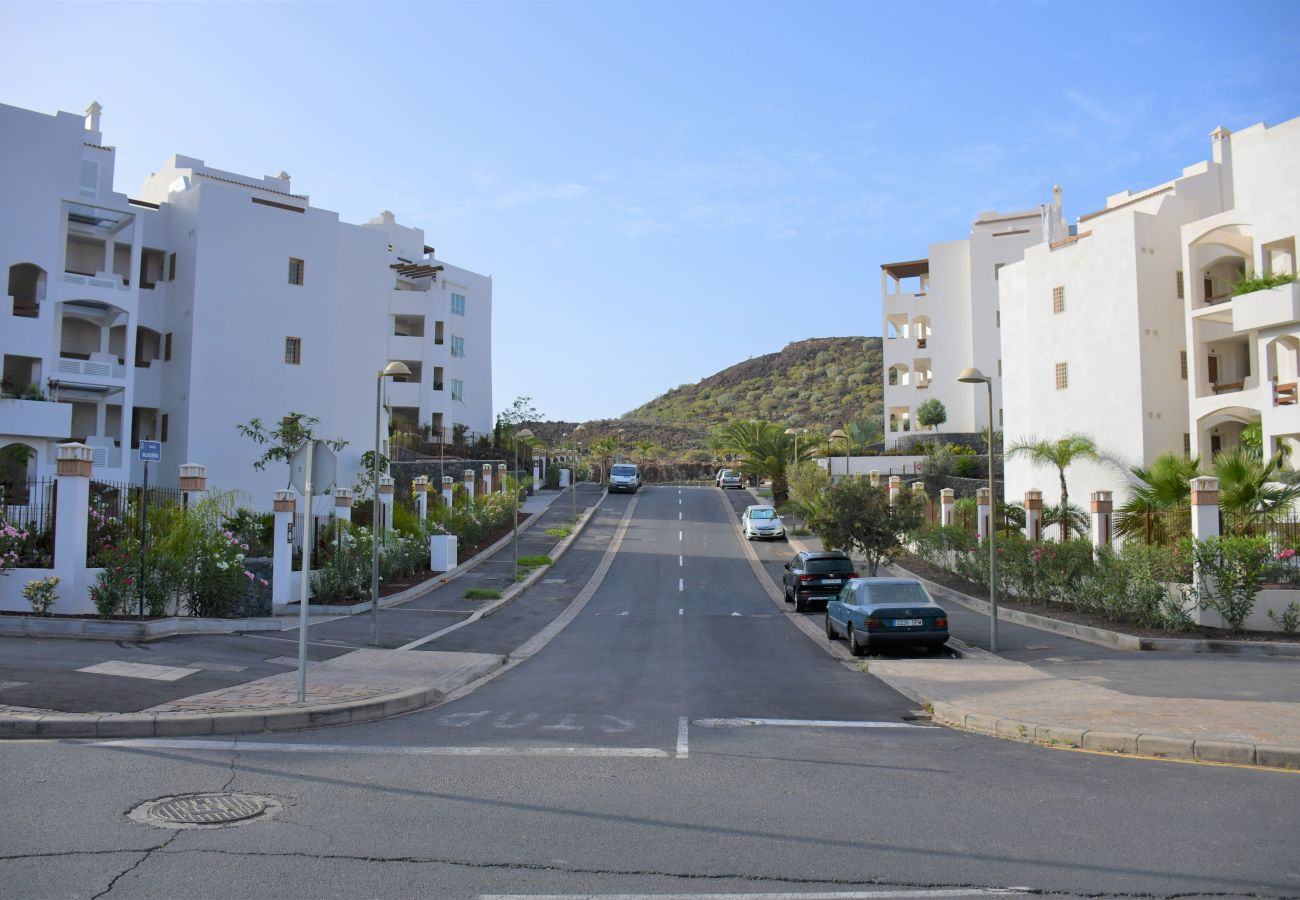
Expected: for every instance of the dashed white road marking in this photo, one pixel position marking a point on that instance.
(681, 585)
(269, 747)
(679, 517)
(681, 560)
(679, 535)
(683, 728)
(681, 612)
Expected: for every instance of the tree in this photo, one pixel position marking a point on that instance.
(764, 451)
(1058, 454)
(859, 517)
(932, 413)
(293, 431)
(603, 448)
(1250, 494)
(520, 413)
(1158, 509)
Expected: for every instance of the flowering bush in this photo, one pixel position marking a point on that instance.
(11, 540)
(39, 592)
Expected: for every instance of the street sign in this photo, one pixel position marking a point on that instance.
(151, 451)
(324, 469)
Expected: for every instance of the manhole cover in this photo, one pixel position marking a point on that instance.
(205, 810)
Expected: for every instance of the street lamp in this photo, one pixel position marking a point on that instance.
(571, 453)
(839, 435)
(526, 435)
(975, 376)
(793, 431)
(390, 370)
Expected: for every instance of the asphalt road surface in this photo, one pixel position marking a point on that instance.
(679, 738)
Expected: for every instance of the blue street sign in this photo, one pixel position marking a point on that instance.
(151, 451)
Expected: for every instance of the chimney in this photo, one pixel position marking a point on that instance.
(1056, 198)
(92, 116)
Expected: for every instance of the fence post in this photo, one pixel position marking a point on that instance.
(193, 482)
(282, 547)
(875, 478)
(984, 516)
(539, 471)
(501, 477)
(1102, 507)
(343, 504)
(895, 485)
(487, 478)
(447, 484)
(469, 483)
(420, 484)
(385, 503)
(1034, 515)
(74, 466)
(1205, 507)
(947, 503)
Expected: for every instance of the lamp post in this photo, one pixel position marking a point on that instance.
(570, 451)
(975, 376)
(839, 435)
(393, 368)
(526, 435)
(793, 431)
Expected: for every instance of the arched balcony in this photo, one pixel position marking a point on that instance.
(27, 289)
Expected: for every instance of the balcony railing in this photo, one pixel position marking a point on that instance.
(1227, 387)
(92, 367)
(920, 343)
(111, 282)
(1284, 393)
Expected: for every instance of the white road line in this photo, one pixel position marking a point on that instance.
(679, 517)
(800, 723)
(681, 585)
(683, 727)
(681, 561)
(681, 612)
(679, 536)
(903, 894)
(379, 750)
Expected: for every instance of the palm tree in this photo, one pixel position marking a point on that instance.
(603, 448)
(1250, 494)
(1076, 519)
(765, 451)
(1159, 508)
(1058, 454)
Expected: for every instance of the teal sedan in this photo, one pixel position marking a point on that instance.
(874, 612)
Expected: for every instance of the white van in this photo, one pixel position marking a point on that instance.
(624, 477)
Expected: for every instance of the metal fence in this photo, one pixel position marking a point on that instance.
(29, 506)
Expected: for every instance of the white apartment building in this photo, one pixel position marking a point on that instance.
(1127, 330)
(941, 316)
(208, 300)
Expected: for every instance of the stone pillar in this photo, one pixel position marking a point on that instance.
(1102, 507)
(282, 547)
(74, 465)
(385, 502)
(487, 478)
(565, 478)
(501, 477)
(539, 472)
(875, 478)
(947, 505)
(1205, 507)
(343, 504)
(193, 482)
(895, 485)
(421, 486)
(1034, 514)
(448, 483)
(984, 515)
(469, 484)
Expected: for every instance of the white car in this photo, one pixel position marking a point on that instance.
(761, 521)
(730, 478)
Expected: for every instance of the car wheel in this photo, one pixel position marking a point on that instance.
(934, 649)
(785, 594)
(831, 633)
(854, 647)
(799, 603)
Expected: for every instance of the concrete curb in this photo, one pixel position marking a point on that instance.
(1156, 746)
(1103, 637)
(150, 630)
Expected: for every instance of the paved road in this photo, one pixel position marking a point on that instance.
(672, 740)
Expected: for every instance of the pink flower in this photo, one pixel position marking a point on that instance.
(264, 582)
(249, 576)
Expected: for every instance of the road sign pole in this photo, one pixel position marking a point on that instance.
(307, 539)
(144, 530)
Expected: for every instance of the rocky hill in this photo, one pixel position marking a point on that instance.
(820, 383)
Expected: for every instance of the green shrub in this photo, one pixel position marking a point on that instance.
(482, 594)
(1248, 284)
(1230, 571)
(967, 467)
(535, 561)
(559, 531)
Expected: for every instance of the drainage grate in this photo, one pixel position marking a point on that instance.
(205, 810)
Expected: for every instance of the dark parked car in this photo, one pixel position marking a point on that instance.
(816, 577)
(875, 611)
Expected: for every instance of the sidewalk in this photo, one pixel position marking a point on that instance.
(215, 684)
(1053, 689)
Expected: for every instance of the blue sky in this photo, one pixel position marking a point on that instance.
(663, 189)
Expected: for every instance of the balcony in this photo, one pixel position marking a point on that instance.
(35, 418)
(1271, 308)
(99, 366)
(405, 347)
(404, 394)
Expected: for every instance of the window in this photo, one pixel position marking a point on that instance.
(457, 389)
(999, 418)
(457, 346)
(437, 333)
(1058, 299)
(999, 368)
(296, 267)
(162, 428)
(171, 267)
(458, 304)
(1179, 282)
(1182, 363)
(1187, 444)
(997, 267)
(167, 347)
(437, 378)
(1062, 376)
(293, 351)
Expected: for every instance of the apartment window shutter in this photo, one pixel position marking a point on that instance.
(1058, 299)
(1062, 376)
(1180, 284)
(167, 347)
(89, 184)
(1182, 363)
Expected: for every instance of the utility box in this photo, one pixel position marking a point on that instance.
(442, 552)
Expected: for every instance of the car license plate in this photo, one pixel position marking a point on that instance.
(908, 623)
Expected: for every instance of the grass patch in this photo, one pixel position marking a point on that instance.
(482, 594)
(533, 562)
(559, 531)
(800, 532)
